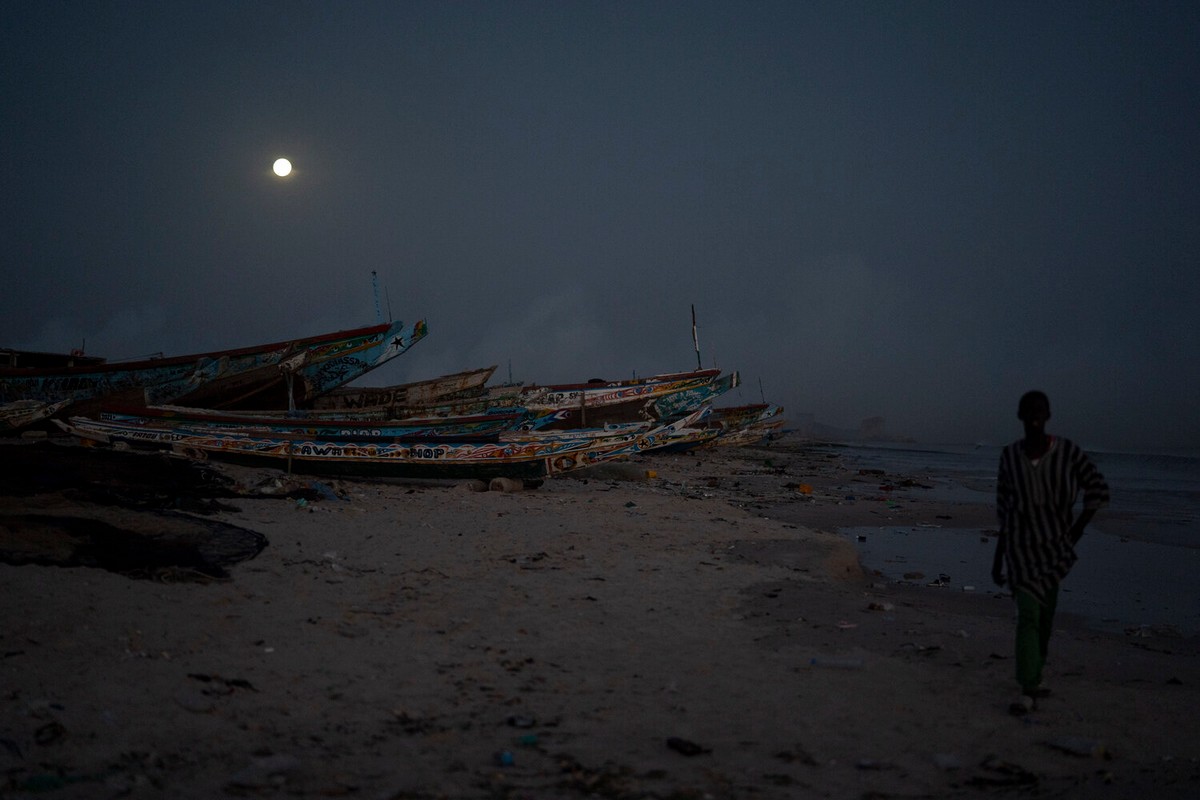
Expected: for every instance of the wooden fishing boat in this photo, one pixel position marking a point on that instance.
(744, 425)
(432, 391)
(23, 413)
(732, 418)
(306, 371)
(307, 366)
(580, 405)
(488, 400)
(659, 397)
(155, 426)
(413, 457)
(731, 425)
(683, 439)
(685, 401)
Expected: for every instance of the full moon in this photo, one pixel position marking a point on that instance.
(282, 167)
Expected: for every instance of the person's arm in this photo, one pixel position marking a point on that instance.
(1075, 533)
(998, 561)
(1004, 504)
(1095, 496)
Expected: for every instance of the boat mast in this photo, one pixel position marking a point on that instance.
(695, 337)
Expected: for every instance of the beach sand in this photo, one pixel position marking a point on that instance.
(615, 636)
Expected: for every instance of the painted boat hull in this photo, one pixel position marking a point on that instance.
(657, 398)
(746, 425)
(466, 385)
(321, 363)
(579, 405)
(525, 458)
(304, 373)
(22, 413)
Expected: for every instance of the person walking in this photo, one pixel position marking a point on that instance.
(1040, 479)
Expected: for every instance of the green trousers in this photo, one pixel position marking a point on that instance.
(1035, 621)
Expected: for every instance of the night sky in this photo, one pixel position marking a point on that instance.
(911, 210)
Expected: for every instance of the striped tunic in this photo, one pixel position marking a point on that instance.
(1034, 502)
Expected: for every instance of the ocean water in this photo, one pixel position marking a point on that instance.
(1139, 560)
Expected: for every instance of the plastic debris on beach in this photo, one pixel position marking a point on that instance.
(324, 492)
(520, 721)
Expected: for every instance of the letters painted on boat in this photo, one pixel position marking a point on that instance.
(532, 457)
(465, 385)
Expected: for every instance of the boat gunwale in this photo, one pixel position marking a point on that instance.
(183, 415)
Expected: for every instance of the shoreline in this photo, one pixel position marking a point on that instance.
(952, 550)
(390, 640)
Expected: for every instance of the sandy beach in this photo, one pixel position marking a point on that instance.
(704, 632)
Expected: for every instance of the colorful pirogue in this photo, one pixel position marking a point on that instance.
(660, 397)
(21, 414)
(560, 406)
(449, 408)
(742, 425)
(466, 385)
(515, 442)
(519, 455)
(283, 405)
(282, 374)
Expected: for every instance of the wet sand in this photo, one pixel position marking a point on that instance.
(603, 637)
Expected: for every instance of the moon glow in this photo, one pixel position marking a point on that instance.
(282, 167)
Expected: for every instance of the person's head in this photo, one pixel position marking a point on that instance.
(1034, 409)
